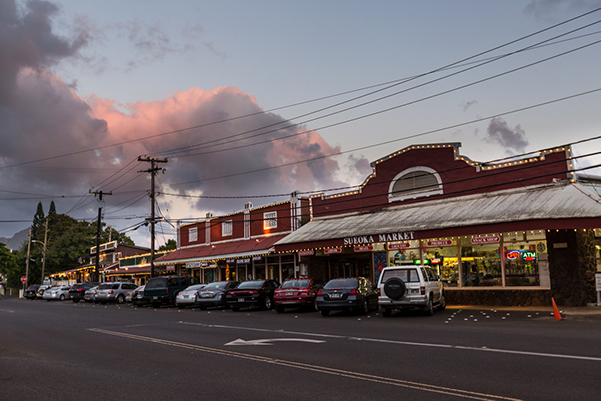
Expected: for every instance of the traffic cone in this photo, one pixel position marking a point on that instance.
(555, 310)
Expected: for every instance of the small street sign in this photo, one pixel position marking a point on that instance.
(23, 279)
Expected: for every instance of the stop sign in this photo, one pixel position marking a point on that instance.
(23, 279)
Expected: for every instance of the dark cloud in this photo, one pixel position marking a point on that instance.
(513, 140)
(27, 40)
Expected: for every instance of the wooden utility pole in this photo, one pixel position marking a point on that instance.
(153, 171)
(98, 228)
(44, 251)
(27, 262)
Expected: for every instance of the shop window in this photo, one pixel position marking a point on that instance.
(481, 263)
(522, 261)
(415, 182)
(441, 256)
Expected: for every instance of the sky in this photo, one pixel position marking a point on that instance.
(248, 99)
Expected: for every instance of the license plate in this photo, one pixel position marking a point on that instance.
(139, 296)
(155, 297)
(185, 296)
(240, 299)
(289, 294)
(335, 295)
(206, 295)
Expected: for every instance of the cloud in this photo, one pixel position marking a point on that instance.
(553, 10)
(514, 140)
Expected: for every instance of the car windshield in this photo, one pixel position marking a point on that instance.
(343, 283)
(160, 282)
(407, 275)
(105, 286)
(251, 284)
(219, 285)
(296, 284)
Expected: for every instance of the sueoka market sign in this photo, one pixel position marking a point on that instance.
(371, 239)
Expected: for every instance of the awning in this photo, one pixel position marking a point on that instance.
(129, 271)
(535, 207)
(224, 250)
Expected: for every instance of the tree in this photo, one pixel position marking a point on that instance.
(10, 268)
(169, 246)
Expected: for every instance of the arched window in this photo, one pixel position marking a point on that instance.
(415, 182)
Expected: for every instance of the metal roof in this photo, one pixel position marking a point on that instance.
(560, 200)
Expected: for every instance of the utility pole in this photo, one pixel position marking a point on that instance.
(153, 171)
(44, 251)
(98, 228)
(27, 262)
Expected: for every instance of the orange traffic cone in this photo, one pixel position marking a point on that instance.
(555, 310)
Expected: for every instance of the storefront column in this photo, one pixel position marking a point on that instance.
(502, 250)
(459, 262)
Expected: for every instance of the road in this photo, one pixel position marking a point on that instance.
(66, 351)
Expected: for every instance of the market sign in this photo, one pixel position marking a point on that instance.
(170, 268)
(306, 253)
(370, 239)
(402, 245)
(192, 265)
(243, 261)
(364, 248)
(332, 250)
(444, 242)
(486, 240)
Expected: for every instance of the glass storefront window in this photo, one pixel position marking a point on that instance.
(522, 260)
(481, 263)
(441, 255)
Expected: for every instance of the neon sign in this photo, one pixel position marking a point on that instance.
(520, 253)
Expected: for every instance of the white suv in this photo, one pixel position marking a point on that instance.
(407, 287)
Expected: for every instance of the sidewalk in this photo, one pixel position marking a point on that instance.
(566, 311)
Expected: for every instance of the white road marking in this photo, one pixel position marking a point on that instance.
(411, 343)
(268, 341)
(318, 369)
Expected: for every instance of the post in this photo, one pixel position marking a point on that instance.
(153, 170)
(44, 251)
(27, 262)
(98, 228)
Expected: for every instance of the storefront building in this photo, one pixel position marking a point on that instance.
(509, 233)
(239, 246)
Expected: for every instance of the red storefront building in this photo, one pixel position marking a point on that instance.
(513, 232)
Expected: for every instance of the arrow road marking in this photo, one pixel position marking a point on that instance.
(270, 340)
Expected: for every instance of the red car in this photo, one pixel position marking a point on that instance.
(297, 293)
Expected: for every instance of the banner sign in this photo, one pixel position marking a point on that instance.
(486, 240)
(364, 248)
(402, 245)
(332, 250)
(444, 242)
(306, 253)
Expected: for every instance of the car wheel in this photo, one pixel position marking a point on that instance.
(443, 303)
(280, 308)
(314, 307)
(120, 299)
(267, 303)
(325, 312)
(62, 297)
(76, 300)
(429, 309)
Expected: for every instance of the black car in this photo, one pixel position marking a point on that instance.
(78, 291)
(163, 289)
(31, 291)
(252, 293)
(213, 294)
(351, 294)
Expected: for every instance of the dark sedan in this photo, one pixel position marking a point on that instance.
(351, 294)
(297, 293)
(78, 291)
(252, 293)
(213, 294)
(31, 291)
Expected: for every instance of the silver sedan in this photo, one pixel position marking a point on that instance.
(187, 297)
(56, 293)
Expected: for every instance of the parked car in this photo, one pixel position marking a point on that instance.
(90, 295)
(138, 298)
(30, 292)
(409, 287)
(78, 291)
(252, 293)
(163, 289)
(187, 297)
(352, 294)
(56, 293)
(297, 293)
(213, 294)
(113, 292)
(41, 289)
